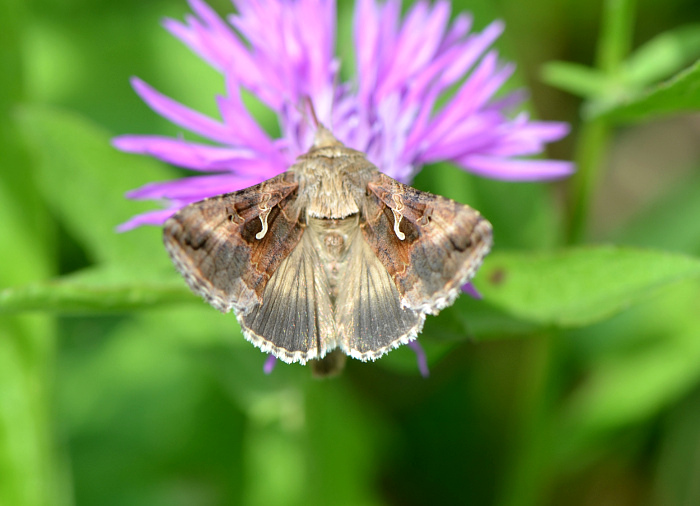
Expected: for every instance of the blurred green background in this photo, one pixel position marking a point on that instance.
(575, 381)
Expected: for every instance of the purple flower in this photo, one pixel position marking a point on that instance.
(282, 52)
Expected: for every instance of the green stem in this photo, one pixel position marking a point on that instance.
(532, 463)
(616, 35)
(613, 47)
(593, 142)
(526, 480)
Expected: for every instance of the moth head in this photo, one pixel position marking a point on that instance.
(323, 138)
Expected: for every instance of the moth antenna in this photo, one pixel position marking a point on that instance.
(311, 110)
(323, 137)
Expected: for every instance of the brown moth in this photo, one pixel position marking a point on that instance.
(329, 255)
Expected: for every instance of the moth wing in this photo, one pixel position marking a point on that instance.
(295, 320)
(371, 320)
(429, 245)
(213, 242)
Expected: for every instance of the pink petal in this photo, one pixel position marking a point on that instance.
(183, 153)
(421, 358)
(459, 28)
(469, 289)
(508, 169)
(149, 218)
(420, 37)
(243, 126)
(194, 188)
(270, 363)
(181, 115)
(528, 138)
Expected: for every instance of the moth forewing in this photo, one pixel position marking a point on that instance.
(227, 247)
(436, 246)
(330, 255)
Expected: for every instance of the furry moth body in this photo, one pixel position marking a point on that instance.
(329, 255)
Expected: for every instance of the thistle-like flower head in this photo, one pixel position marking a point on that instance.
(282, 51)
(395, 109)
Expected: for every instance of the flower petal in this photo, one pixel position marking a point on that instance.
(243, 126)
(181, 115)
(469, 289)
(527, 138)
(282, 52)
(475, 91)
(208, 36)
(150, 218)
(183, 153)
(459, 28)
(418, 41)
(295, 61)
(420, 357)
(509, 169)
(270, 363)
(192, 189)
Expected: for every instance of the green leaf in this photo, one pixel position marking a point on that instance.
(678, 459)
(529, 221)
(621, 95)
(630, 390)
(473, 319)
(577, 79)
(578, 286)
(341, 469)
(83, 179)
(32, 465)
(652, 364)
(679, 94)
(666, 223)
(663, 56)
(23, 259)
(164, 402)
(97, 290)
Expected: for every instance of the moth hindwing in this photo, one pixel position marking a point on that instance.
(331, 254)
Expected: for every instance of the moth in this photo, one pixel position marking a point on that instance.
(330, 258)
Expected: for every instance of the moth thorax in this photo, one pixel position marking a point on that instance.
(329, 182)
(330, 196)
